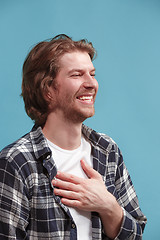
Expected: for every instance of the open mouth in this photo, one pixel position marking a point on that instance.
(86, 99)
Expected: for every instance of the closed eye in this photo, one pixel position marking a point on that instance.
(76, 75)
(93, 74)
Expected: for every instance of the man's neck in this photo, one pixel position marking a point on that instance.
(65, 134)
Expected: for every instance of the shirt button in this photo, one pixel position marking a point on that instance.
(48, 157)
(73, 225)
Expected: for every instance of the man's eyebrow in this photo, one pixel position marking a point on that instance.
(75, 70)
(80, 70)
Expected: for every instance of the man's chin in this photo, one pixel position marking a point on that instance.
(83, 117)
(80, 118)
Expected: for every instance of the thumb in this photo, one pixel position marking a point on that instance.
(89, 171)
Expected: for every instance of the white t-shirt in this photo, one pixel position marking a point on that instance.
(69, 161)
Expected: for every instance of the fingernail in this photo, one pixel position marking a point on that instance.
(54, 181)
(83, 161)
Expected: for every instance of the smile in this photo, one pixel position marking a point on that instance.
(86, 98)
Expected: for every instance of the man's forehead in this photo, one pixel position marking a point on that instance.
(76, 59)
(74, 55)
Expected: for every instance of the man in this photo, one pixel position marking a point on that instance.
(63, 180)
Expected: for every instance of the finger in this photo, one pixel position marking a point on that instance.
(68, 177)
(65, 185)
(89, 171)
(66, 194)
(71, 203)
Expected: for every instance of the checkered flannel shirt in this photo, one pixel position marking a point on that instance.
(30, 210)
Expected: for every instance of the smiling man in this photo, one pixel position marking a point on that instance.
(63, 180)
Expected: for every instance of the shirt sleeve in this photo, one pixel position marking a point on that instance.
(134, 221)
(14, 204)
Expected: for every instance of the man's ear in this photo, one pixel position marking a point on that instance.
(48, 95)
(48, 91)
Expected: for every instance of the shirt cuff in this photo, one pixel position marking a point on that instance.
(127, 227)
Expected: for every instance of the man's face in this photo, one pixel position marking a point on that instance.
(76, 89)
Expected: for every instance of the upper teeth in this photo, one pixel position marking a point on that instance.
(86, 98)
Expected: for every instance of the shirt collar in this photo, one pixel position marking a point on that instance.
(39, 143)
(95, 138)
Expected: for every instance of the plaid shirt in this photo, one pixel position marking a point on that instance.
(30, 210)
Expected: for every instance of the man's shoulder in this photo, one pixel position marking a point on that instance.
(32, 143)
(29, 148)
(13, 149)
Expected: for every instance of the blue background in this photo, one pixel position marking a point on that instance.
(126, 35)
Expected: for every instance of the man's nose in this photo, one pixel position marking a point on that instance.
(90, 82)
